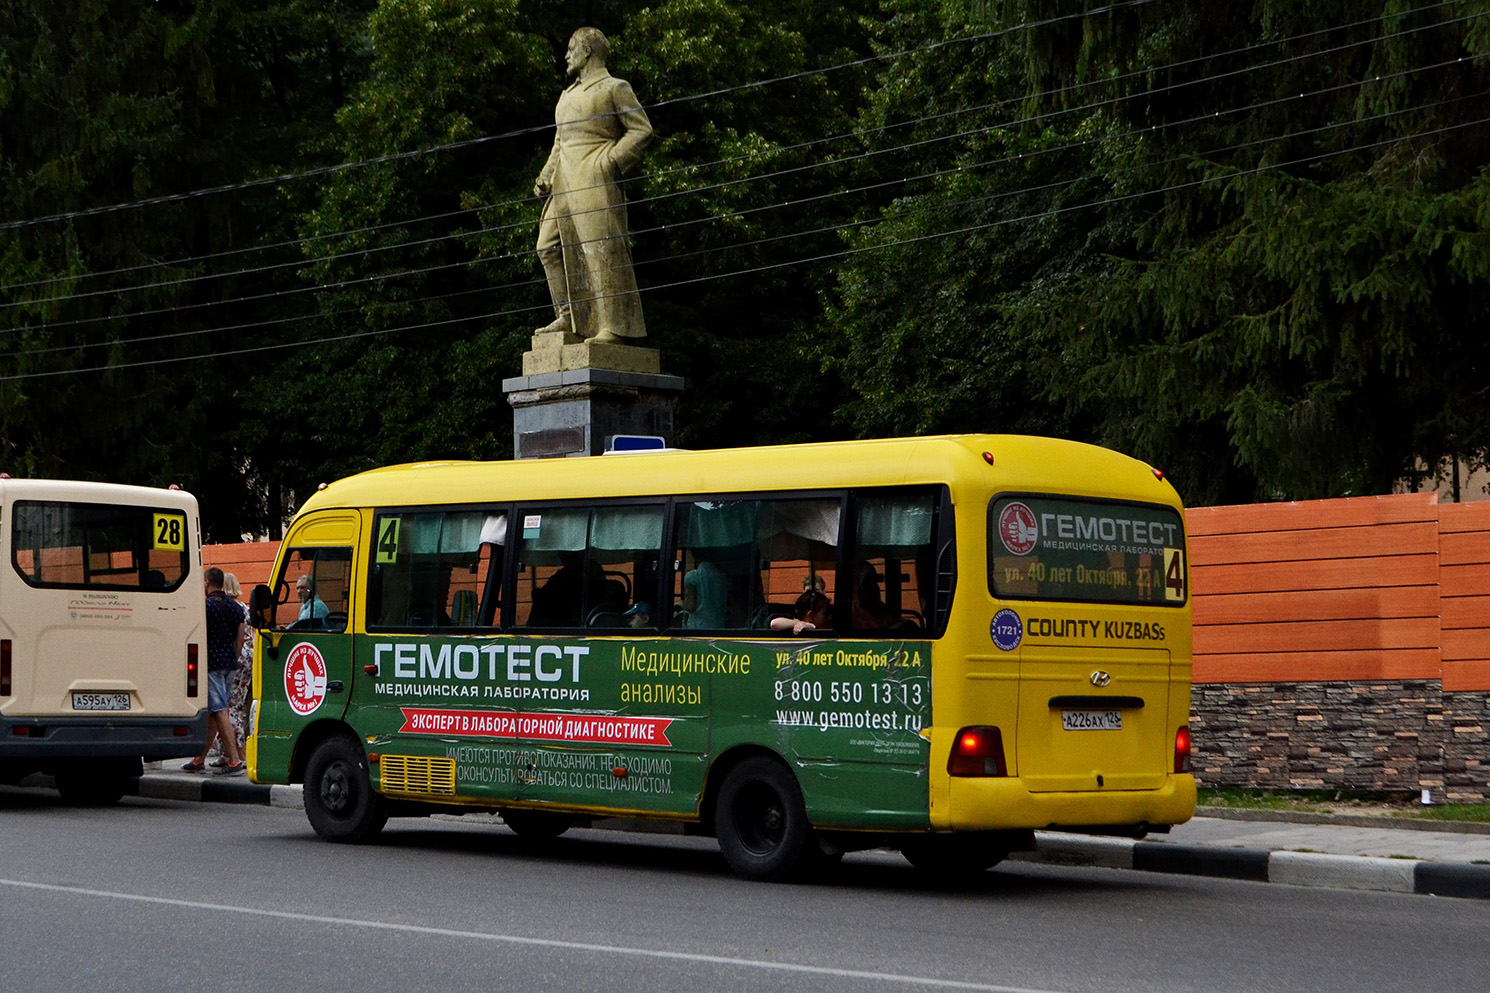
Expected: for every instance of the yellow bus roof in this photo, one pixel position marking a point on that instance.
(1020, 464)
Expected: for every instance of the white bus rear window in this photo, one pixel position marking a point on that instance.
(61, 545)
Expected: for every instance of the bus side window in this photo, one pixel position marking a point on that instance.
(429, 569)
(892, 560)
(742, 562)
(314, 589)
(582, 568)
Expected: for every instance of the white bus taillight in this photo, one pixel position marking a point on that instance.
(4, 667)
(191, 669)
(977, 751)
(1182, 750)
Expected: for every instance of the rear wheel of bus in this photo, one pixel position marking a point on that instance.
(97, 783)
(761, 823)
(956, 856)
(339, 799)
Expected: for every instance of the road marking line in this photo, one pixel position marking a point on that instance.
(512, 939)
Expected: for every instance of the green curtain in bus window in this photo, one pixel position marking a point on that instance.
(556, 531)
(435, 534)
(627, 529)
(896, 521)
(719, 525)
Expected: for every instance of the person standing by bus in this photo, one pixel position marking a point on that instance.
(225, 633)
(240, 683)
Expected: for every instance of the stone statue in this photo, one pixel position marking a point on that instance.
(601, 133)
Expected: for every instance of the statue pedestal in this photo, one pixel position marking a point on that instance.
(574, 394)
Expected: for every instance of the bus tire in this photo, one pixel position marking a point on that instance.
(954, 856)
(339, 799)
(537, 825)
(93, 784)
(761, 823)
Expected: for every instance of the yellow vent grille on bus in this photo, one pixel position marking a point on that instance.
(415, 774)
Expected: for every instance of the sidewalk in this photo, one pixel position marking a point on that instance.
(1351, 852)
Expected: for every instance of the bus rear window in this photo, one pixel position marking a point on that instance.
(1053, 548)
(99, 546)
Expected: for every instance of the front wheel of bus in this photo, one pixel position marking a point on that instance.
(762, 823)
(339, 799)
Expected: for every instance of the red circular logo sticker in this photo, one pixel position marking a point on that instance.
(305, 679)
(1017, 529)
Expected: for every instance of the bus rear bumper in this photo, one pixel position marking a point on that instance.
(42, 740)
(977, 804)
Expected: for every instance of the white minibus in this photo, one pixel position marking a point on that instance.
(102, 633)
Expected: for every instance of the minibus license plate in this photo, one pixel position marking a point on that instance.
(100, 701)
(1092, 720)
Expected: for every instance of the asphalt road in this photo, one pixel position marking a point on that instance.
(158, 896)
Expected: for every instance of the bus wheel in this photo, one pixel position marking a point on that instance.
(954, 856)
(97, 784)
(537, 825)
(762, 823)
(339, 799)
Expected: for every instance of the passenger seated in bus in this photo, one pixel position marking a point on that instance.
(639, 616)
(812, 612)
(705, 596)
(869, 609)
(313, 610)
(560, 602)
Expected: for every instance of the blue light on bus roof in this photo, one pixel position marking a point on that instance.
(635, 443)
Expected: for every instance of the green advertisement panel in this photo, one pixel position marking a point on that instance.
(1088, 550)
(634, 724)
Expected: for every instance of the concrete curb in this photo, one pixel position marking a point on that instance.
(207, 788)
(1346, 872)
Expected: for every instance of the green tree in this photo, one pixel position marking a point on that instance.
(1246, 244)
(111, 102)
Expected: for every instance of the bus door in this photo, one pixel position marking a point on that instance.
(305, 655)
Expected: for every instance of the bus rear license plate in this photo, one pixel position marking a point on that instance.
(100, 701)
(1092, 720)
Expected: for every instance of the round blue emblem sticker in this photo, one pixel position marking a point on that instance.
(1007, 630)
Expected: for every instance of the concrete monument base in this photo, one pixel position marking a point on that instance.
(568, 412)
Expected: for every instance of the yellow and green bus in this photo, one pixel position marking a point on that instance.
(933, 644)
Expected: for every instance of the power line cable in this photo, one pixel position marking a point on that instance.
(1105, 81)
(846, 253)
(827, 229)
(363, 280)
(398, 156)
(299, 263)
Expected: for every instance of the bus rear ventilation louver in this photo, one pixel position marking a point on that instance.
(413, 774)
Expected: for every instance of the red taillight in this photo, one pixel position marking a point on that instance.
(4, 667)
(191, 669)
(977, 751)
(1182, 750)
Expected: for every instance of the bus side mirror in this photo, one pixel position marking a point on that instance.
(261, 607)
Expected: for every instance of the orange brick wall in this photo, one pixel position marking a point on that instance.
(250, 561)
(1366, 588)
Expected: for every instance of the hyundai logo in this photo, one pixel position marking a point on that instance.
(1100, 678)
